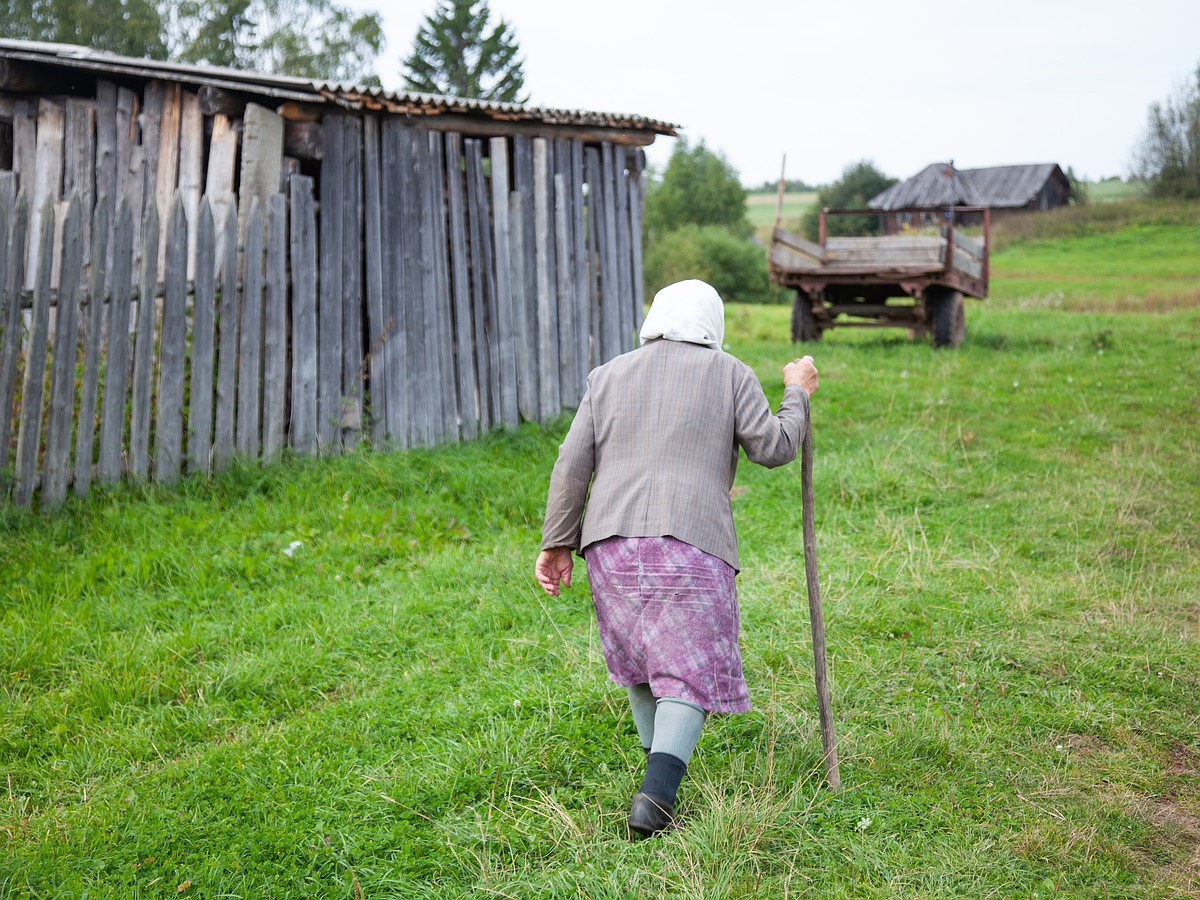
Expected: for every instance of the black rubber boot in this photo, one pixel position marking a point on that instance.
(653, 806)
(648, 816)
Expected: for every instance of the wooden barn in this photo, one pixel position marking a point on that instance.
(1002, 189)
(200, 263)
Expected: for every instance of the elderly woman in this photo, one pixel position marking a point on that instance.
(641, 489)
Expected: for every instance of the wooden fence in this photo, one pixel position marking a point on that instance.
(431, 287)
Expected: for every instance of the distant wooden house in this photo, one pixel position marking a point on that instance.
(420, 268)
(1002, 189)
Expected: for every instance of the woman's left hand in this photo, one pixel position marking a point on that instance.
(554, 567)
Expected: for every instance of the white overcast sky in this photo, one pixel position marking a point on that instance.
(902, 83)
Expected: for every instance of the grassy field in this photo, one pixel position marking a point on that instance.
(761, 210)
(338, 679)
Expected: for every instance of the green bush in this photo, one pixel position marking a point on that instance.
(736, 266)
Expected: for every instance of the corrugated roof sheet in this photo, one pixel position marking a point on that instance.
(940, 184)
(349, 96)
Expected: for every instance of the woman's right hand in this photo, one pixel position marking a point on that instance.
(803, 373)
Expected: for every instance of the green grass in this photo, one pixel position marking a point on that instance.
(1009, 547)
(762, 208)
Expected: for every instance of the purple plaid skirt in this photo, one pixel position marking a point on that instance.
(668, 616)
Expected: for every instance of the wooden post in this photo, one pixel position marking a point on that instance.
(225, 415)
(32, 392)
(168, 423)
(373, 257)
(13, 279)
(448, 426)
(483, 290)
(48, 175)
(395, 316)
(57, 460)
(304, 315)
(351, 419)
(85, 433)
(505, 368)
(275, 330)
(465, 349)
(249, 392)
(112, 419)
(329, 315)
(200, 410)
(143, 351)
(549, 397)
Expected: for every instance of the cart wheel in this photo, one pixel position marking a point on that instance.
(804, 324)
(949, 318)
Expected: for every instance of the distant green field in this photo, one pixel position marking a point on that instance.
(1114, 189)
(761, 209)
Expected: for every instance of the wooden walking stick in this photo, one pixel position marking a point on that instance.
(824, 707)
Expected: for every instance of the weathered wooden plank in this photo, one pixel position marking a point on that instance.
(275, 330)
(57, 457)
(8, 197)
(143, 352)
(150, 121)
(447, 426)
(228, 319)
(106, 154)
(10, 324)
(166, 176)
(524, 330)
(262, 159)
(611, 300)
(218, 184)
(85, 432)
(304, 315)
(204, 319)
(329, 310)
(131, 161)
(373, 257)
(47, 181)
(637, 199)
(431, 408)
(395, 346)
(191, 169)
(412, 294)
(25, 159)
(595, 224)
(624, 251)
(116, 363)
(568, 366)
(523, 269)
(549, 396)
(502, 338)
(80, 170)
(582, 267)
(460, 269)
(250, 338)
(353, 376)
(33, 388)
(483, 289)
(168, 422)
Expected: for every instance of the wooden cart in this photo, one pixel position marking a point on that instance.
(913, 280)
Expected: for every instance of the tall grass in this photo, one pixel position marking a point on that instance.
(337, 678)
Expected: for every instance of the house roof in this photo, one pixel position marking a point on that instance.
(940, 184)
(302, 90)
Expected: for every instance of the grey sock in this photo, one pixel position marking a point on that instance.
(677, 727)
(642, 704)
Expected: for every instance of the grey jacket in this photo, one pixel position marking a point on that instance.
(656, 438)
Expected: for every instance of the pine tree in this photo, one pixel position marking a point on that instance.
(457, 54)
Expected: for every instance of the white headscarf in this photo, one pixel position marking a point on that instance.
(689, 311)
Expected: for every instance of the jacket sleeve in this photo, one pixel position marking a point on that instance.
(769, 440)
(569, 481)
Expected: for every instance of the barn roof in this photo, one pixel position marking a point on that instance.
(940, 184)
(69, 57)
